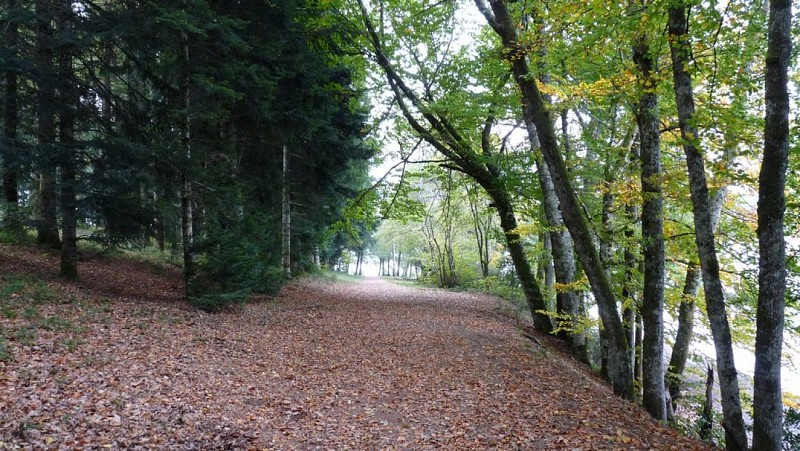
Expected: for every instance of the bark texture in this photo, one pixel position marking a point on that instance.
(652, 309)
(508, 222)
(67, 149)
(691, 287)
(683, 336)
(286, 218)
(567, 300)
(735, 436)
(767, 405)
(630, 304)
(10, 116)
(47, 223)
(187, 210)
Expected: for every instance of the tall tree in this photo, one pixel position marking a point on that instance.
(10, 146)
(502, 22)
(47, 222)
(286, 216)
(481, 227)
(652, 308)
(187, 198)
(564, 269)
(67, 148)
(686, 310)
(442, 135)
(767, 402)
(680, 50)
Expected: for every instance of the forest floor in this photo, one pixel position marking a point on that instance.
(120, 361)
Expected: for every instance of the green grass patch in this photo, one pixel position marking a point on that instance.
(513, 298)
(158, 260)
(57, 323)
(5, 353)
(72, 343)
(12, 286)
(23, 237)
(496, 287)
(169, 319)
(9, 312)
(41, 292)
(30, 313)
(219, 302)
(414, 283)
(336, 276)
(21, 297)
(26, 336)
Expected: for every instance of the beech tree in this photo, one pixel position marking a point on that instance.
(735, 437)
(435, 127)
(652, 309)
(500, 19)
(767, 395)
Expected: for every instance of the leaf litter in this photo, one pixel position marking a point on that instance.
(323, 365)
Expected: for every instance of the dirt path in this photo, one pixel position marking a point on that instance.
(323, 366)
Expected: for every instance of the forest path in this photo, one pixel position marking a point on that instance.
(323, 365)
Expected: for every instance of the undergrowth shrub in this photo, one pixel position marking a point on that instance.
(5, 354)
(496, 286)
(233, 264)
(791, 429)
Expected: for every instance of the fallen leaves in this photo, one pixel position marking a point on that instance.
(367, 366)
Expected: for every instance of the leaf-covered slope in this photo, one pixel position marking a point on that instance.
(119, 361)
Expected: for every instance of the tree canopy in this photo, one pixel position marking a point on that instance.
(626, 169)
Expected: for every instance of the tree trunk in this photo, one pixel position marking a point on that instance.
(767, 405)
(683, 337)
(69, 243)
(286, 217)
(567, 301)
(447, 140)
(508, 223)
(452, 276)
(707, 417)
(11, 123)
(691, 286)
(546, 271)
(187, 229)
(638, 370)
(652, 309)
(47, 224)
(619, 368)
(481, 231)
(69, 175)
(315, 257)
(735, 436)
(159, 225)
(187, 213)
(630, 305)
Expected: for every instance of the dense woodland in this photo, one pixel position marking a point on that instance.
(166, 124)
(622, 164)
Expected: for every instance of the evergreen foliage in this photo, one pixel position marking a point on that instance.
(207, 92)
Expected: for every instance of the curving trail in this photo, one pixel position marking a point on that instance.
(323, 366)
